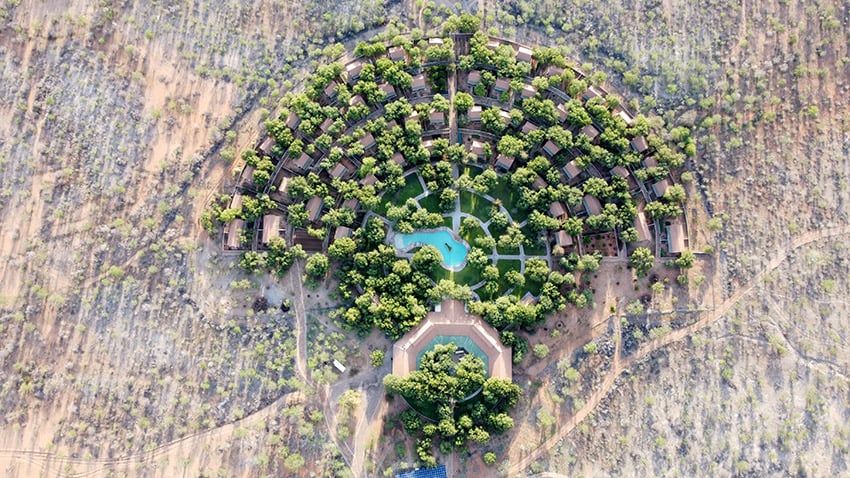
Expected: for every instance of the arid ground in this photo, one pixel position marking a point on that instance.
(131, 345)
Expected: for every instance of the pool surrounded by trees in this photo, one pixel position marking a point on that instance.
(452, 248)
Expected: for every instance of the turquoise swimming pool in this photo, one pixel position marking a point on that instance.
(453, 249)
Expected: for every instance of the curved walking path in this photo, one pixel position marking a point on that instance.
(622, 364)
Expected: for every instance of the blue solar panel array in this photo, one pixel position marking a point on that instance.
(436, 472)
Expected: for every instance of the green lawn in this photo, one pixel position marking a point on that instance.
(411, 189)
(472, 171)
(506, 193)
(529, 286)
(466, 276)
(475, 233)
(505, 266)
(431, 202)
(447, 221)
(476, 205)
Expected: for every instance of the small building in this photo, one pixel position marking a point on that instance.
(477, 148)
(528, 127)
(271, 227)
(493, 44)
(524, 54)
(293, 120)
(474, 113)
(558, 210)
(473, 78)
(642, 227)
(592, 92)
(528, 91)
(367, 141)
(437, 118)
(502, 85)
(412, 117)
(398, 159)
(551, 148)
(676, 236)
(625, 116)
(234, 234)
(429, 145)
(266, 146)
(330, 90)
(538, 183)
(389, 91)
(650, 162)
(504, 162)
(351, 204)
(341, 232)
(660, 187)
(314, 208)
(236, 201)
(302, 162)
(353, 69)
(563, 239)
(339, 366)
(590, 131)
(356, 100)
(506, 117)
(338, 171)
(620, 171)
(418, 83)
(435, 472)
(369, 180)
(392, 124)
(591, 205)
(561, 109)
(553, 70)
(639, 144)
(326, 125)
(435, 41)
(396, 53)
(571, 169)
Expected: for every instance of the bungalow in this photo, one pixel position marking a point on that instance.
(341, 232)
(660, 187)
(590, 131)
(473, 78)
(396, 53)
(367, 141)
(558, 210)
(392, 124)
(338, 171)
(429, 145)
(676, 236)
(592, 92)
(293, 120)
(398, 159)
(528, 127)
(562, 112)
(639, 144)
(353, 69)
(271, 227)
(330, 90)
(506, 117)
(553, 70)
(356, 100)
(234, 234)
(369, 180)
(642, 227)
(625, 116)
(266, 146)
(435, 41)
(474, 113)
(302, 162)
(412, 116)
(314, 208)
(551, 148)
(236, 202)
(351, 204)
(326, 125)
(493, 44)
(502, 85)
(418, 83)
(524, 54)
(437, 118)
(591, 205)
(563, 239)
(477, 148)
(538, 183)
(528, 91)
(620, 171)
(247, 175)
(650, 162)
(504, 162)
(389, 91)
